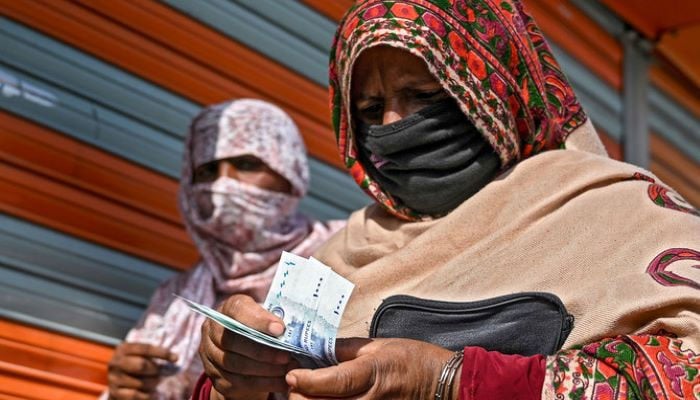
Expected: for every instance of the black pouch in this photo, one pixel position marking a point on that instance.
(523, 323)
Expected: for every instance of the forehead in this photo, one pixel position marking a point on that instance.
(384, 67)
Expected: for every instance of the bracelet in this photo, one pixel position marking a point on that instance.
(444, 387)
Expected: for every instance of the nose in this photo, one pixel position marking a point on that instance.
(393, 111)
(227, 169)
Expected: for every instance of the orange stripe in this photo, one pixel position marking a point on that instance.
(76, 164)
(332, 9)
(48, 360)
(60, 344)
(37, 364)
(60, 207)
(17, 380)
(8, 397)
(670, 83)
(686, 169)
(196, 62)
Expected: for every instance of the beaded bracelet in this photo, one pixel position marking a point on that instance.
(444, 387)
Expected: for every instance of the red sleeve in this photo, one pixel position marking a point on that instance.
(202, 390)
(495, 376)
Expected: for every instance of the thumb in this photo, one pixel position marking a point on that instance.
(347, 349)
(346, 379)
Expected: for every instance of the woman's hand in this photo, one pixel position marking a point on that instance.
(374, 369)
(240, 368)
(134, 371)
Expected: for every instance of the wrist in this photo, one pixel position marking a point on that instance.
(454, 393)
(448, 375)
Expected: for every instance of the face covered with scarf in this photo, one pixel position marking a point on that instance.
(490, 90)
(236, 223)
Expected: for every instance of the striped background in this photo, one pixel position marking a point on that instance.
(95, 99)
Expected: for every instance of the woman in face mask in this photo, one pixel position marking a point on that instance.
(507, 257)
(244, 172)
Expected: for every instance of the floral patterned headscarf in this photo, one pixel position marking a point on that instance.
(487, 54)
(241, 256)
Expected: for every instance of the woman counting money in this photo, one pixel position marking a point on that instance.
(507, 257)
(244, 172)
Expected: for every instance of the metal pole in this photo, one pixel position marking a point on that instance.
(635, 111)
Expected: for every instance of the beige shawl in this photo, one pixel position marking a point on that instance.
(591, 230)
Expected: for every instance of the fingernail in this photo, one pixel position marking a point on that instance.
(275, 328)
(291, 380)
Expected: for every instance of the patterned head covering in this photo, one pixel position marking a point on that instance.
(247, 126)
(487, 54)
(238, 253)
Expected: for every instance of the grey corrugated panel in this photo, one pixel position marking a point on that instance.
(45, 300)
(62, 283)
(113, 110)
(676, 124)
(75, 261)
(604, 105)
(297, 19)
(75, 72)
(246, 23)
(71, 298)
(323, 182)
(318, 208)
(667, 117)
(89, 122)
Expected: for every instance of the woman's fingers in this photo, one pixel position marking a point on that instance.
(127, 393)
(135, 365)
(134, 371)
(243, 365)
(220, 345)
(246, 311)
(253, 350)
(238, 366)
(122, 380)
(150, 351)
(343, 380)
(233, 384)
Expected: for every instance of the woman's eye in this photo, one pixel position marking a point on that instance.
(431, 95)
(371, 112)
(248, 164)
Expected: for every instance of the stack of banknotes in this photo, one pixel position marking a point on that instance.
(310, 298)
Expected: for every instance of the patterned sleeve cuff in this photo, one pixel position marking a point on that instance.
(495, 376)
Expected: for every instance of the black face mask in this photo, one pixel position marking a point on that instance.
(431, 161)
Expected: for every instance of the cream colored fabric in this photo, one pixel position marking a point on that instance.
(566, 222)
(585, 138)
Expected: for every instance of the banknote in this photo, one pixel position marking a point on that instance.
(304, 293)
(335, 295)
(294, 297)
(310, 298)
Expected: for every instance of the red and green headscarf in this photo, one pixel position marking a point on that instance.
(488, 54)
